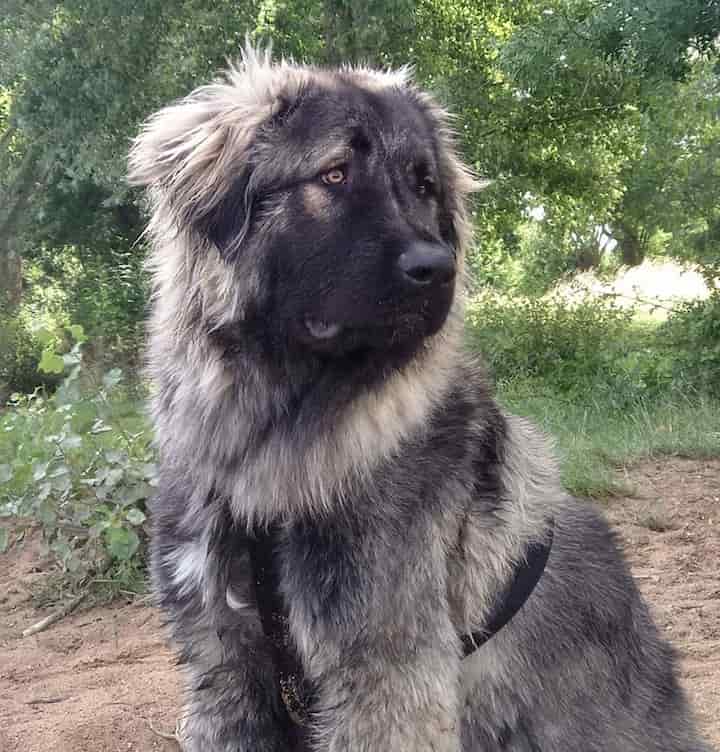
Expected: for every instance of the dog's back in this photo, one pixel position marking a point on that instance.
(581, 666)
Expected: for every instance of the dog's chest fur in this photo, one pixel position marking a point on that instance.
(358, 567)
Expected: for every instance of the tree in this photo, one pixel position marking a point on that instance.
(557, 101)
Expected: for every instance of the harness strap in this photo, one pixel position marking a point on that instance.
(516, 593)
(295, 692)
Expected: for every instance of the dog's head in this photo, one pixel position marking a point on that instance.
(332, 201)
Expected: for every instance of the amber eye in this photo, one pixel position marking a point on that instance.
(334, 176)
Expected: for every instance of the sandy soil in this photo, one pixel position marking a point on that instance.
(671, 533)
(97, 680)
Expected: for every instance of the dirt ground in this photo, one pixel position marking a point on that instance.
(97, 680)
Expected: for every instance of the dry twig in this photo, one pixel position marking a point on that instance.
(165, 735)
(47, 700)
(49, 620)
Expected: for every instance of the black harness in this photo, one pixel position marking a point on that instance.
(296, 693)
(513, 598)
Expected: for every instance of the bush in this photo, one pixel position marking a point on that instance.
(105, 293)
(20, 354)
(585, 347)
(692, 335)
(80, 463)
(108, 297)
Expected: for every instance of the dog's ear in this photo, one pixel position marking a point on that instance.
(195, 156)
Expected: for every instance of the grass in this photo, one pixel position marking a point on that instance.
(595, 439)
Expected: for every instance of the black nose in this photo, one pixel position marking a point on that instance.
(426, 264)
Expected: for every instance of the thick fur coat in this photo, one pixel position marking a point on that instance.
(307, 238)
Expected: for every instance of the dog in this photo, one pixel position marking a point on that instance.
(356, 548)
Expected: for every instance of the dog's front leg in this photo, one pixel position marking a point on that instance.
(383, 653)
(233, 700)
(370, 615)
(397, 697)
(231, 709)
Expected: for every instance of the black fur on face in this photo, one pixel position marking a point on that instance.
(343, 190)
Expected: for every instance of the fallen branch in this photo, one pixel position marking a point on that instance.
(49, 620)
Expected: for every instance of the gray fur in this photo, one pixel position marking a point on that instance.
(403, 513)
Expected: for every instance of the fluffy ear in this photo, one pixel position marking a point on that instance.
(194, 155)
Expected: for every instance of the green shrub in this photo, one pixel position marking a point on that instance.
(108, 298)
(105, 293)
(587, 347)
(540, 259)
(20, 354)
(80, 463)
(692, 336)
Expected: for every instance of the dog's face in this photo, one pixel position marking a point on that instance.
(346, 193)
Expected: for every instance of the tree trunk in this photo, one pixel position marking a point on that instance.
(15, 202)
(632, 244)
(10, 280)
(588, 251)
(588, 257)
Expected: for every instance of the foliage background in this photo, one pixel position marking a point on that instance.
(597, 122)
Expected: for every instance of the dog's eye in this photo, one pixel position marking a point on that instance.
(425, 186)
(334, 177)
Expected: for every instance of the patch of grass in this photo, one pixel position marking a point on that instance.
(657, 522)
(594, 438)
(126, 580)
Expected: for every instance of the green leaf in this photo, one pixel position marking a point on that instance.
(149, 470)
(78, 333)
(73, 563)
(6, 473)
(4, 540)
(83, 418)
(114, 477)
(40, 470)
(122, 543)
(71, 442)
(61, 549)
(114, 456)
(51, 362)
(135, 517)
(112, 378)
(132, 494)
(44, 336)
(62, 485)
(47, 515)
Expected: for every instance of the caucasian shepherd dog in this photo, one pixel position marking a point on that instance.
(357, 549)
